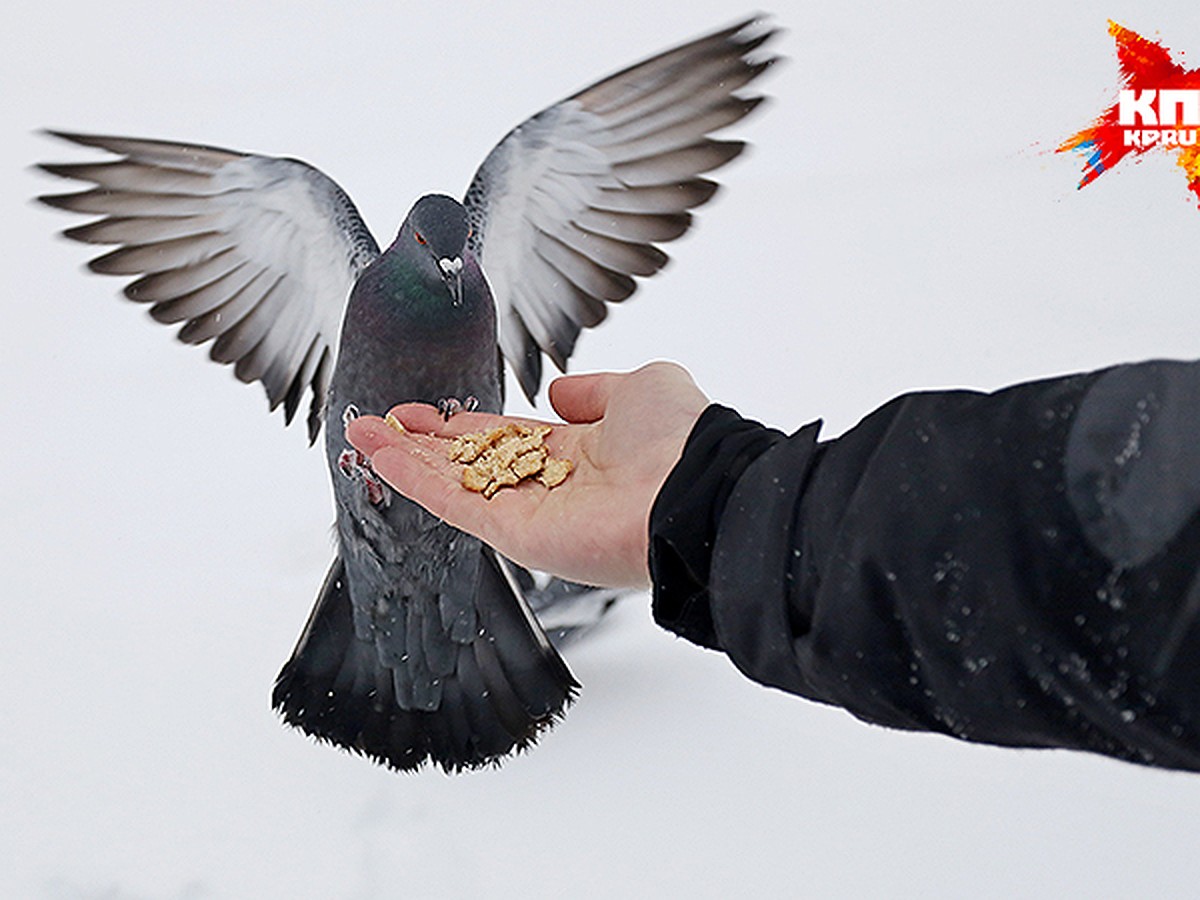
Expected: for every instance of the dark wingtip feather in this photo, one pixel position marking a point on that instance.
(58, 201)
(320, 384)
(750, 44)
(122, 145)
(750, 104)
(705, 189)
(73, 137)
(76, 137)
(727, 151)
(291, 400)
(108, 263)
(529, 369)
(60, 170)
(86, 234)
(757, 69)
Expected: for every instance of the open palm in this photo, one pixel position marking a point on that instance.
(623, 432)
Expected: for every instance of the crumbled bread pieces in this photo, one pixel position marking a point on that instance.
(506, 456)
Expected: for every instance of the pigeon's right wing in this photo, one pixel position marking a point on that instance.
(256, 253)
(571, 204)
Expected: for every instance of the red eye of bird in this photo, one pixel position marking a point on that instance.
(420, 237)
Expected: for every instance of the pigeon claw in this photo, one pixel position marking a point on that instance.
(450, 406)
(355, 466)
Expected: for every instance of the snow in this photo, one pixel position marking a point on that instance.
(900, 223)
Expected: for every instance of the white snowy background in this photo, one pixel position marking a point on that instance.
(899, 224)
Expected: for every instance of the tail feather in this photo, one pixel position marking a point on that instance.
(491, 729)
(524, 670)
(506, 685)
(566, 610)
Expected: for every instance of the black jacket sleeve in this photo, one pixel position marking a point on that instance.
(1019, 568)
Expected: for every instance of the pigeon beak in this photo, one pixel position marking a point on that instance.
(452, 275)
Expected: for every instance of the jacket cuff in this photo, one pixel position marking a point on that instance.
(686, 513)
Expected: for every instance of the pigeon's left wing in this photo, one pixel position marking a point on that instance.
(256, 253)
(570, 205)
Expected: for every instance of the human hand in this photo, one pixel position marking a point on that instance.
(624, 433)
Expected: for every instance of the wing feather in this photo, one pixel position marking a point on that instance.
(249, 330)
(126, 203)
(254, 253)
(595, 279)
(206, 311)
(163, 256)
(660, 199)
(665, 168)
(174, 283)
(645, 228)
(121, 230)
(568, 209)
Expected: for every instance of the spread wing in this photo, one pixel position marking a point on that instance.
(255, 253)
(571, 205)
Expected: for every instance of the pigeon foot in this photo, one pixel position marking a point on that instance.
(450, 406)
(355, 466)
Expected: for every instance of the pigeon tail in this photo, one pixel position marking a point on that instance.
(567, 610)
(508, 684)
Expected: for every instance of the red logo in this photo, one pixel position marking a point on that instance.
(1158, 106)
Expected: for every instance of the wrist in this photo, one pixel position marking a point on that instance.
(683, 521)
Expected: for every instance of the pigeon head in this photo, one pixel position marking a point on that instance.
(435, 234)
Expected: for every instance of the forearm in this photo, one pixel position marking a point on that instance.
(930, 569)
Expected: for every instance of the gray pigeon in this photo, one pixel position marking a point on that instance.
(422, 645)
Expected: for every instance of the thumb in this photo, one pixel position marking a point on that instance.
(583, 398)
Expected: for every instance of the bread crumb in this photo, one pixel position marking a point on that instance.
(506, 456)
(555, 472)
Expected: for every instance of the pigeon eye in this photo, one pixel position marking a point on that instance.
(420, 237)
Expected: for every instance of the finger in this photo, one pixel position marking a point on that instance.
(425, 480)
(583, 398)
(369, 433)
(425, 419)
(431, 481)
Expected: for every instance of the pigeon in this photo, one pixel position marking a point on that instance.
(422, 646)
